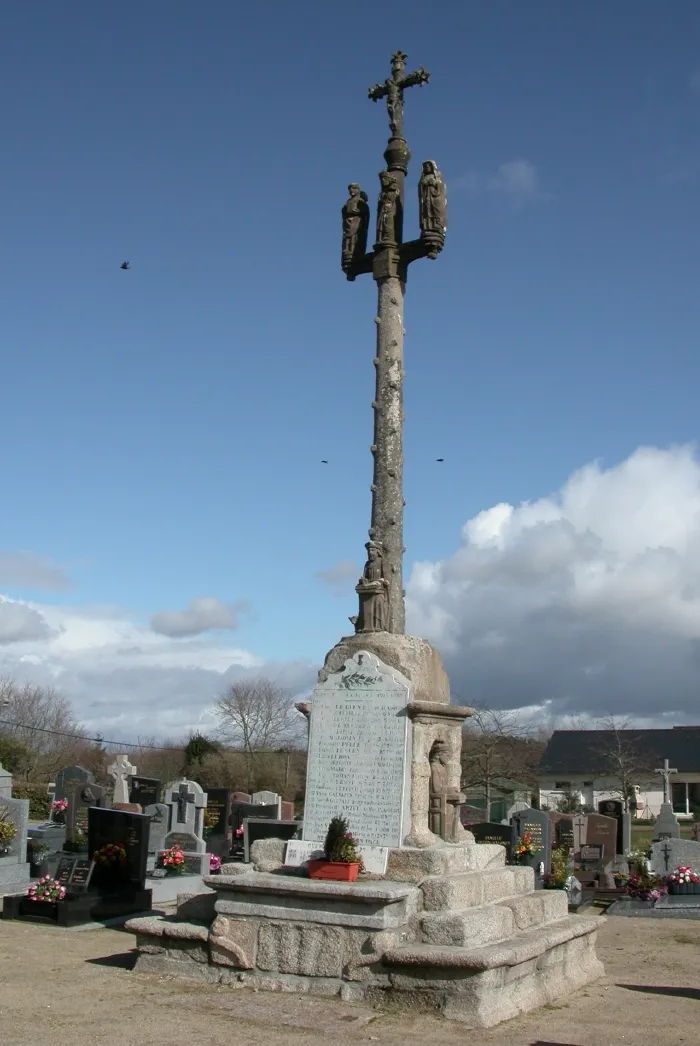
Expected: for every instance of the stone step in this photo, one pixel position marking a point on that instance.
(409, 864)
(471, 927)
(519, 948)
(471, 889)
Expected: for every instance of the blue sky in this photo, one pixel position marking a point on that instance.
(162, 428)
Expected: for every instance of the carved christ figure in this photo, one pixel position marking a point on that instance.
(387, 209)
(372, 588)
(432, 203)
(355, 226)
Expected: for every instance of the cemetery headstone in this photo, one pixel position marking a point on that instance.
(74, 873)
(266, 798)
(218, 834)
(537, 825)
(187, 801)
(14, 867)
(70, 778)
(5, 783)
(666, 825)
(614, 808)
(145, 791)
(579, 824)
(491, 832)
(287, 811)
(668, 854)
(128, 833)
(601, 832)
(266, 828)
(79, 802)
(241, 797)
(158, 814)
(358, 763)
(120, 771)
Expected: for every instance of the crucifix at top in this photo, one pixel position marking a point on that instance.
(380, 589)
(666, 772)
(121, 769)
(183, 797)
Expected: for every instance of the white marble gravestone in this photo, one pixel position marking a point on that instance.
(187, 801)
(266, 798)
(121, 770)
(359, 761)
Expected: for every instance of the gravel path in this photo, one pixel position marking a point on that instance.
(70, 988)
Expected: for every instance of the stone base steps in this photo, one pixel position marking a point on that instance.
(470, 927)
(471, 889)
(484, 985)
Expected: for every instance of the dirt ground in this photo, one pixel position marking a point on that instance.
(76, 988)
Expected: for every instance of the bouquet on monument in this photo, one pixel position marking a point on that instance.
(59, 807)
(109, 854)
(340, 846)
(46, 889)
(173, 859)
(524, 848)
(682, 874)
(7, 830)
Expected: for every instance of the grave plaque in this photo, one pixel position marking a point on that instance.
(603, 830)
(74, 873)
(614, 808)
(358, 762)
(126, 830)
(537, 825)
(145, 791)
(490, 832)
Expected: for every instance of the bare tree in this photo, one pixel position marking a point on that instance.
(496, 745)
(41, 720)
(621, 751)
(257, 716)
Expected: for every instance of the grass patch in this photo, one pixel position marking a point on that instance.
(684, 938)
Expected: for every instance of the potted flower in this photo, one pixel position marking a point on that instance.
(214, 864)
(524, 848)
(173, 860)
(45, 893)
(7, 832)
(645, 886)
(76, 843)
(620, 879)
(682, 881)
(342, 860)
(58, 809)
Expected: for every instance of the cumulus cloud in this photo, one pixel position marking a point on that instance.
(583, 602)
(202, 615)
(338, 576)
(19, 621)
(26, 570)
(517, 181)
(125, 681)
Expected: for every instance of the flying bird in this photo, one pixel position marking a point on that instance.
(323, 461)
(439, 459)
(125, 265)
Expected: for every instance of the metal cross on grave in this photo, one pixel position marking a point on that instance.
(121, 769)
(666, 772)
(666, 851)
(183, 797)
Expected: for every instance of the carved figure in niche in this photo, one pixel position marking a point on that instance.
(373, 590)
(444, 800)
(355, 226)
(432, 206)
(387, 209)
(87, 795)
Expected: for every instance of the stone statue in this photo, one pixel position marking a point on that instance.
(373, 590)
(445, 800)
(432, 207)
(355, 226)
(387, 209)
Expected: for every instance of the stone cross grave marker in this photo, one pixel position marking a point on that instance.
(358, 762)
(666, 772)
(121, 770)
(186, 800)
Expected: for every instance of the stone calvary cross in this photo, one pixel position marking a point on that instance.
(380, 589)
(666, 772)
(121, 769)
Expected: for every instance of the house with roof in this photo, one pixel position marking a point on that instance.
(621, 764)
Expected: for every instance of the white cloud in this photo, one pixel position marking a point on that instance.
(584, 602)
(517, 181)
(126, 681)
(18, 622)
(202, 615)
(339, 576)
(25, 570)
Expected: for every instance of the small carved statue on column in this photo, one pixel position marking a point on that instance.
(432, 208)
(355, 227)
(387, 210)
(444, 799)
(373, 590)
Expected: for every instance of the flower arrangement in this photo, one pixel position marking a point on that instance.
(524, 848)
(110, 854)
(214, 864)
(238, 834)
(59, 807)
(46, 889)
(173, 859)
(340, 846)
(682, 874)
(620, 879)
(209, 821)
(645, 886)
(7, 830)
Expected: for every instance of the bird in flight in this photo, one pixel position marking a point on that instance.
(323, 461)
(125, 265)
(439, 459)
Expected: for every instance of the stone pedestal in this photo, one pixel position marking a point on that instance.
(666, 825)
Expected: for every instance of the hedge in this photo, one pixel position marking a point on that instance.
(39, 800)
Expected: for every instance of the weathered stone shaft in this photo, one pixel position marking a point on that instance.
(387, 486)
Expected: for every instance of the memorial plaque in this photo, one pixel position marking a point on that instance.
(358, 762)
(81, 874)
(218, 807)
(64, 870)
(591, 852)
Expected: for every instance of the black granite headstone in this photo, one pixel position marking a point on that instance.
(267, 828)
(614, 808)
(126, 831)
(538, 827)
(218, 834)
(145, 791)
(492, 832)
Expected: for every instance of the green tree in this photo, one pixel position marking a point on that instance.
(14, 755)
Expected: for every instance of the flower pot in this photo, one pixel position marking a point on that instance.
(337, 870)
